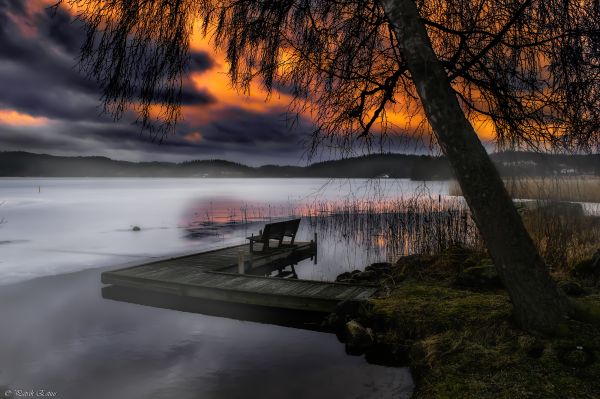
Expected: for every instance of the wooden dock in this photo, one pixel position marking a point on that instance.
(214, 276)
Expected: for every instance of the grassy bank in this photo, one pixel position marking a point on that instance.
(448, 318)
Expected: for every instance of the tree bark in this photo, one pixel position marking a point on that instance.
(538, 304)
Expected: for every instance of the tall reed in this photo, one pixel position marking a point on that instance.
(561, 188)
(563, 232)
(420, 224)
(399, 227)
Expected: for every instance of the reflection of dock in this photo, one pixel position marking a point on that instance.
(259, 314)
(213, 276)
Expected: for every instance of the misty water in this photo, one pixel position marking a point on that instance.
(59, 334)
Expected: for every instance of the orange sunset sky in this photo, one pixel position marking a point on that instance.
(47, 106)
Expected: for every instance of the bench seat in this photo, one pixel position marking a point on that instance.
(277, 231)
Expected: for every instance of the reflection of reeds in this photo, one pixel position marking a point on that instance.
(420, 224)
(397, 227)
(427, 225)
(581, 189)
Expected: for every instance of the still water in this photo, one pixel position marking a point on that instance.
(59, 335)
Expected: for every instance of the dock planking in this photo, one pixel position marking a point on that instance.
(212, 276)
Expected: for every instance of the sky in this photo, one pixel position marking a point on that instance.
(48, 106)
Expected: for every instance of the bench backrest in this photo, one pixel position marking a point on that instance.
(279, 230)
(291, 227)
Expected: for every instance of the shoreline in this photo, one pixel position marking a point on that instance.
(448, 318)
(60, 334)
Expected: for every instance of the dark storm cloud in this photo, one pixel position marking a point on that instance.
(39, 77)
(39, 80)
(267, 129)
(200, 61)
(46, 140)
(58, 26)
(11, 6)
(63, 98)
(192, 96)
(121, 140)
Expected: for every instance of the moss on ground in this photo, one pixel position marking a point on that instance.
(463, 343)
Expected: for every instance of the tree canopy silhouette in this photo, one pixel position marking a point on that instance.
(531, 68)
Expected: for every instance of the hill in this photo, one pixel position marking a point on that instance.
(416, 167)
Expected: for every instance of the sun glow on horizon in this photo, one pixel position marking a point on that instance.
(257, 100)
(12, 117)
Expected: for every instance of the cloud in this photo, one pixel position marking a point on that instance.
(192, 96)
(193, 137)
(14, 118)
(49, 106)
(37, 76)
(200, 61)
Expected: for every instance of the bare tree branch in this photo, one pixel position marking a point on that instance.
(531, 69)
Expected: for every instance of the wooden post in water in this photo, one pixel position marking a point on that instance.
(251, 260)
(315, 248)
(241, 263)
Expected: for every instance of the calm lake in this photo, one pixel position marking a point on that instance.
(60, 335)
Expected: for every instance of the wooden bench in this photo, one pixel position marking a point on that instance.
(277, 232)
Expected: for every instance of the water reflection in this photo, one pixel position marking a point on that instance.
(58, 334)
(352, 233)
(305, 320)
(76, 224)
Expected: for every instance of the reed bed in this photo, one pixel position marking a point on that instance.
(563, 233)
(404, 226)
(580, 189)
(421, 224)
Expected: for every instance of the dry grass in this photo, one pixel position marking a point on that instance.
(562, 232)
(404, 226)
(580, 189)
(462, 341)
(428, 225)
(463, 344)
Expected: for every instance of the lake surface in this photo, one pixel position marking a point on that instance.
(58, 334)
(54, 226)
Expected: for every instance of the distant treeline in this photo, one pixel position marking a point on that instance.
(416, 167)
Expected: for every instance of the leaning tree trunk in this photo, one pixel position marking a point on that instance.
(538, 304)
